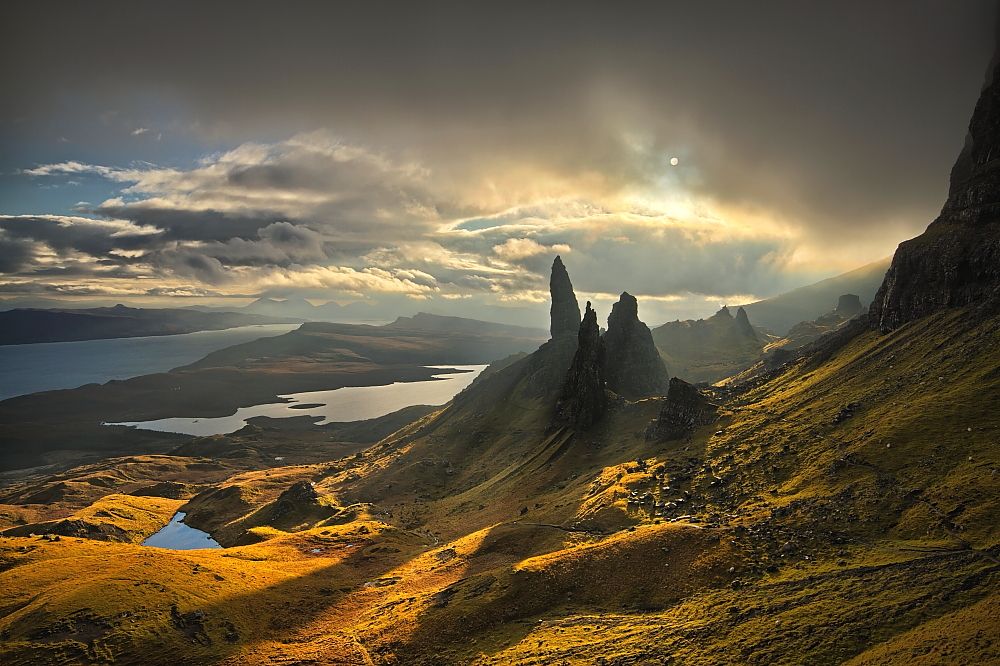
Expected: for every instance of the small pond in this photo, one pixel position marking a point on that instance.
(175, 535)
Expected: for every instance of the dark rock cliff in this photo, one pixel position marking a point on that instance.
(583, 400)
(565, 311)
(956, 261)
(634, 368)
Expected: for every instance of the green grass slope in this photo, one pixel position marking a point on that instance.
(843, 509)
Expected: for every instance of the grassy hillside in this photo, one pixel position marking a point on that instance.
(844, 510)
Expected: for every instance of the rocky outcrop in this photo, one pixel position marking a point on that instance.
(565, 311)
(583, 400)
(300, 496)
(684, 410)
(634, 368)
(956, 261)
(169, 489)
(848, 305)
(743, 324)
(73, 527)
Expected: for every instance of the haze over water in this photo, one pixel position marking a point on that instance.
(60, 365)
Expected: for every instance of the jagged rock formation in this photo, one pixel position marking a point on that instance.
(707, 350)
(565, 311)
(634, 368)
(956, 261)
(848, 305)
(743, 324)
(583, 400)
(684, 410)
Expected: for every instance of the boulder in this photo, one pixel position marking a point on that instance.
(684, 409)
(300, 495)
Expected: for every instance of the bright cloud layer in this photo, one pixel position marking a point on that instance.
(319, 217)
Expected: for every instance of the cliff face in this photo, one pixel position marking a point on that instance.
(634, 367)
(957, 260)
(565, 311)
(583, 400)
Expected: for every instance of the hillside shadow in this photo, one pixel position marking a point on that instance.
(214, 628)
(215, 631)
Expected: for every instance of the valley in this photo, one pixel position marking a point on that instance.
(313, 357)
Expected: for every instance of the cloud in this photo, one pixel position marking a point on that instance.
(15, 254)
(841, 116)
(70, 168)
(471, 143)
(279, 244)
(520, 248)
(63, 234)
(315, 212)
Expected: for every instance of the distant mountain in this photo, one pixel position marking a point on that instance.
(707, 350)
(423, 321)
(26, 326)
(848, 307)
(780, 313)
(303, 309)
(423, 340)
(291, 307)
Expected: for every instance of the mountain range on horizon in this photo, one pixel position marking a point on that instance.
(37, 324)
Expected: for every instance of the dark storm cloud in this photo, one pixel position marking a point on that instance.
(63, 234)
(838, 114)
(448, 150)
(279, 244)
(193, 264)
(191, 225)
(15, 254)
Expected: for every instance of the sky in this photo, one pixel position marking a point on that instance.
(436, 156)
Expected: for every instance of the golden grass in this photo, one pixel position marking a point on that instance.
(479, 535)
